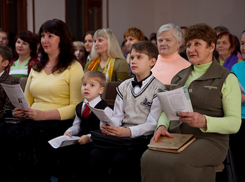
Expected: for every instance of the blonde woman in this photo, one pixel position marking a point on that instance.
(107, 56)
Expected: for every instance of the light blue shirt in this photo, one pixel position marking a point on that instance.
(239, 70)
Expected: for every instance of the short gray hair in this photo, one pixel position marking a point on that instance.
(176, 30)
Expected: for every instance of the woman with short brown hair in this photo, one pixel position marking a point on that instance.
(226, 47)
(25, 55)
(216, 100)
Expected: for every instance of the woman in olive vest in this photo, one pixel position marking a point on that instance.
(216, 101)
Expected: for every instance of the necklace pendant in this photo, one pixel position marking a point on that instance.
(49, 66)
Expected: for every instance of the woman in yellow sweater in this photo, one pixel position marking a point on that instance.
(53, 90)
(54, 84)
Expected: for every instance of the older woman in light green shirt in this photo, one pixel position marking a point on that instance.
(216, 101)
(216, 124)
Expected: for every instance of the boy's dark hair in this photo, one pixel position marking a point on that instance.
(6, 53)
(146, 47)
(96, 75)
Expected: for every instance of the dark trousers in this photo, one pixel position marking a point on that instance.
(116, 165)
(73, 163)
(237, 153)
(26, 153)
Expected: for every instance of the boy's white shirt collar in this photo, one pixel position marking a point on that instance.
(145, 80)
(2, 73)
(92, 103)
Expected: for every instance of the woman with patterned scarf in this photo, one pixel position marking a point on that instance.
(107, 56)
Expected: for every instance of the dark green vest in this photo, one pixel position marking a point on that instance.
(205, 94)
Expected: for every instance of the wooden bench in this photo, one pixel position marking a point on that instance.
(22, 82)
(110, 93)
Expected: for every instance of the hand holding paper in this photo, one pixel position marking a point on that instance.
(193, 119)
(16, 95)
(175, 101)
(19, 113)
(102, 115)
(35, 114)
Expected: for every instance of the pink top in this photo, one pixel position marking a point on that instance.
(166, 67)
(239, 55)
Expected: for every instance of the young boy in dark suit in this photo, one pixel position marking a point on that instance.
(5, 58)
(75, 157)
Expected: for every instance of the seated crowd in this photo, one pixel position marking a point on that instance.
(66, 77)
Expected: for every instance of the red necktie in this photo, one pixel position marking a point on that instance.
(86, 112)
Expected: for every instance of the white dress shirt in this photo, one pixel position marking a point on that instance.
(75, 128)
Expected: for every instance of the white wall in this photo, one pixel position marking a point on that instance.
(229, 13)
(46, 10)
(29, 15)
(104, 13)
(124, 14)
(149, 15)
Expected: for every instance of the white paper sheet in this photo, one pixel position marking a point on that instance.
(63, 140)
(16, 95)
(175, 101)
(103, 116)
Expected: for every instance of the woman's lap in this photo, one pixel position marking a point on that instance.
(26, 148)
(198, 158)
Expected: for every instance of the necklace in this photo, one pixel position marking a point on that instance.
(49, 66)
